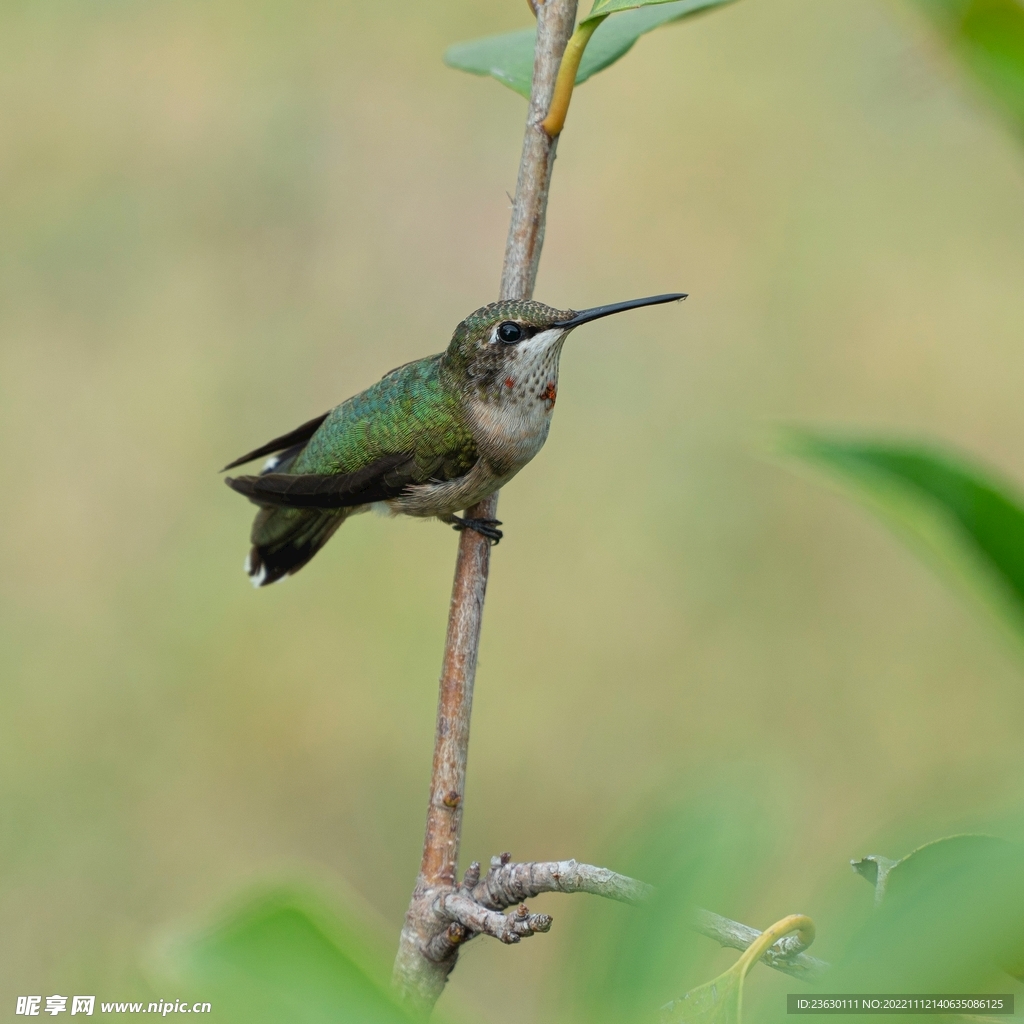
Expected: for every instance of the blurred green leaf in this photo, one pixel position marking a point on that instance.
(624, 962)
(874, 869)
(953, 911)
(924, 863)
(718, 1002)
(988, 36)
(721, 1001)
(953, 512)
(603, 8)
(508, 58)
(616, 36)
(935, 864)
(285, 956)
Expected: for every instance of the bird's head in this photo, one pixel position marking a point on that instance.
(521, 337)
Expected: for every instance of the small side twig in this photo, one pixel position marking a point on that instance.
(507, 884)
(458, 913)
(786, 955)
(478, 920)
(475, 907)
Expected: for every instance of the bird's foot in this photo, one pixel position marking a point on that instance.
(485, 527)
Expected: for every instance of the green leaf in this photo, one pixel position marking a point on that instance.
(284, 956)
(988, 36)
(616, 36)
(721, 1001)
(602, 8)
(622, 962)
(875, 869)
(899, 877)
(508, 58)
(954, 513)
(940, 867)
(929, 864)
(718, 1002)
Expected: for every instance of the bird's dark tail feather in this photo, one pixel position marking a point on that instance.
(285, 539)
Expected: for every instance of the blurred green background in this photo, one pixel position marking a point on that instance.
(218, 219)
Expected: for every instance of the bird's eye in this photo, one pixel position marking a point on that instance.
(509, 332)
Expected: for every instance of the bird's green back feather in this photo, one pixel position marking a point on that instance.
(412, 409)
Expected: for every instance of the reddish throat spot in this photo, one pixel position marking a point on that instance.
(510, 382)
(550, 393)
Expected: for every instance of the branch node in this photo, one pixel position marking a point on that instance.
(443, 945)
(786, 955)
(480, 920)
(472, 875)
(452, 799)
(788, 946)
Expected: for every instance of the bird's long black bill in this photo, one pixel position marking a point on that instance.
(586, 315)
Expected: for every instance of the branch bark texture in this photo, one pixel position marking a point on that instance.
(438, 920)
(507, 884)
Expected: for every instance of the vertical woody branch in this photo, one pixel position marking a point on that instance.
(419, 978)
(555, 20)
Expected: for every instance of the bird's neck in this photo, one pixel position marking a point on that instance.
(525, 374)
(510, 406)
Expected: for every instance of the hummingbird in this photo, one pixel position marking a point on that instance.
(430, 439)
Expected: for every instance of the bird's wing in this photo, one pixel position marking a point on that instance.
(406, 429)
(300, 435)
(386, 477)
